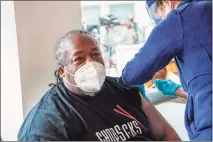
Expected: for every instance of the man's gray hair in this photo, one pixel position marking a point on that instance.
(63, 45)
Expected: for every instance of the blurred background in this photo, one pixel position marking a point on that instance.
(117, 25)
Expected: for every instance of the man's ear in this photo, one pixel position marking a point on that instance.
(61, 71)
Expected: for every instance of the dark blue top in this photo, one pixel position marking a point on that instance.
(186, 35)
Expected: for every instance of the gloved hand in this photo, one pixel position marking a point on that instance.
(167, 87)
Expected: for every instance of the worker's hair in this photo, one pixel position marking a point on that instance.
(159, 3)
(63, 46)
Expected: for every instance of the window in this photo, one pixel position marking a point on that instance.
(91, 14)
(122, 11)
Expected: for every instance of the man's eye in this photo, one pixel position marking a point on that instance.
(78, 59)
(96, 55)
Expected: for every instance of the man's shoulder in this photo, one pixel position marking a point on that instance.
(120, 89)
(49, 102)
(42, 126)
(44, 116)
(49, 99)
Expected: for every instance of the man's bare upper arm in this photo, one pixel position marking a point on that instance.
(159, 126)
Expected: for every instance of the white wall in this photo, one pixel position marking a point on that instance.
(11, 102)
(28, 36)
(39, 24)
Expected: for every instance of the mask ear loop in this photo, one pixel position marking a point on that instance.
(66, 79)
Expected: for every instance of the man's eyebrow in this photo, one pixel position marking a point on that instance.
(74, 53)
(95, 48)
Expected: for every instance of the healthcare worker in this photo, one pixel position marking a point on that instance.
(186, 35)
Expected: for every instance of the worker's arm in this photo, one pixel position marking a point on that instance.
(160, 128)
(164, 43)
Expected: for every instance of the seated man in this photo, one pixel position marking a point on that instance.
(86, 105)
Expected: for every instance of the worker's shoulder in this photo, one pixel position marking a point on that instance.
(195, 8)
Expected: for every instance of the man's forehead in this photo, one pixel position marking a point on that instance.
(83, 41)
(77, 50)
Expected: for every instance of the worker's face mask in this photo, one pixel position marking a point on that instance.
(89, 78)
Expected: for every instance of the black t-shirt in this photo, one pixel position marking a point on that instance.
(114, 114)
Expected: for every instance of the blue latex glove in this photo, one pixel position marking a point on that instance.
(167, 87)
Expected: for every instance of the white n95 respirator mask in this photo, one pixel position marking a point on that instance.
(90, 77)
